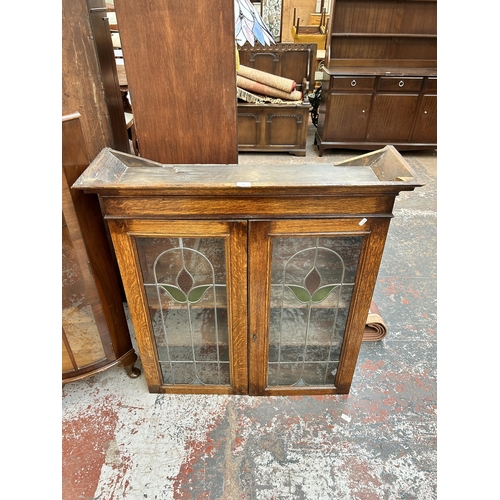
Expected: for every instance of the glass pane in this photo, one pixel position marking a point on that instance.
(185, 283)
(311, 290)
(78, 319)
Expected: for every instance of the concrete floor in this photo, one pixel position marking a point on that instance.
(379, 442)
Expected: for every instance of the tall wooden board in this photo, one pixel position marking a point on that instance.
(181, 71)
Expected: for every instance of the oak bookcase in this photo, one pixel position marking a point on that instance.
(249, 279)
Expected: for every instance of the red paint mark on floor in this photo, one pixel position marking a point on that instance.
(372, 366)
(363, 481)
(84, 445)
(389, 287)
(192, 473)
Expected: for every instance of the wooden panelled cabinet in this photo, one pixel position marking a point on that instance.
(380, 76)
(249, 279)
(277, 127)
(95, 334)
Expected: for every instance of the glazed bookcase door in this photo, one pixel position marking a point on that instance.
(306, 320)
(186, 286)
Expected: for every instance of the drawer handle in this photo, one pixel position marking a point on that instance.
(401, 83)
(353, 83)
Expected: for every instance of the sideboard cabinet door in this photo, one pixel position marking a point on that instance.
(389, 121)
(347, 117)
(186, 288)
(426, 123)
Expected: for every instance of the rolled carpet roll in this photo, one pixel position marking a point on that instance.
(278, 82)
(375, 328)
(260, 88)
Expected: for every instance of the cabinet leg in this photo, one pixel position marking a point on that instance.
(128, 363)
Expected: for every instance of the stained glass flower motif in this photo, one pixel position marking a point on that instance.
(184, 291)
(312, 291)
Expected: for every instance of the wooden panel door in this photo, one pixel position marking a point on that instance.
(250, 127)
(347, 117)
(180, 61)
(426, 121)
(186, 287)
(392, 117)
(286, 127)
(311, 283)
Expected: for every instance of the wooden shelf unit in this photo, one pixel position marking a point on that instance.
(380, 76)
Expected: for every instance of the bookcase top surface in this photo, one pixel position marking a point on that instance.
(116, 172)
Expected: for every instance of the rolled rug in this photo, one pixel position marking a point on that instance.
(375, 328)
(247, 96)
(277, 82)
(260, 88)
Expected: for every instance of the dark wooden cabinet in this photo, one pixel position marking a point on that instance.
(277, 127)
(380, 76)
(95, 333)
(251, 279)
(273, 128)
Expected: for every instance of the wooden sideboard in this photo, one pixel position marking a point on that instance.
(249, 279)
(380, 76)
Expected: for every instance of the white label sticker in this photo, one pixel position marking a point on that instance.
(362, 222)
(244, 184)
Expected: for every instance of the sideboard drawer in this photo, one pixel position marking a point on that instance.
(431, 84)
(352, 83)
(404, 84)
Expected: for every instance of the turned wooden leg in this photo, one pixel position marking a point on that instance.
(128, 363)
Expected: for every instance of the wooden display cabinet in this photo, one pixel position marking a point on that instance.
(95, 333)
(249, 279)
(380, 76)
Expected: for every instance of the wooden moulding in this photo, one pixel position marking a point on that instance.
(116, 173)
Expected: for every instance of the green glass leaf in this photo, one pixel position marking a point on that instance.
(322, 293)
(197, 293)
(300, 293)
(175, 293)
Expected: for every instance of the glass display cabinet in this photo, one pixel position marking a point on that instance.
(95, 334)
(249, 279)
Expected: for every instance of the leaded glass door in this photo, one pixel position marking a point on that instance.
(306, 338)
(188, 298)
